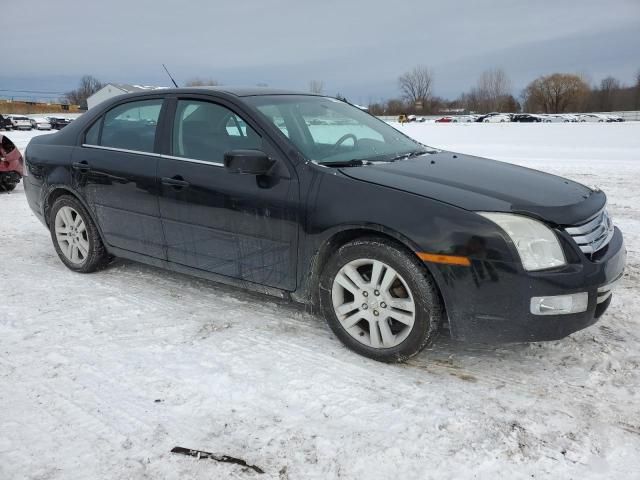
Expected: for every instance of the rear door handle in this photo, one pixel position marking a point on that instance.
(83, 166)
(176, 182)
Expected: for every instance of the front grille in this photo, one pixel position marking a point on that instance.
(594, 234)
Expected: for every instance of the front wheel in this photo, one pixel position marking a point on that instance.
(379, 300)
(75, 236)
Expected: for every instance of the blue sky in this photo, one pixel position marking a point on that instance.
(357, 47)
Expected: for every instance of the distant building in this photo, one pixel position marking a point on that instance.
(114, 89)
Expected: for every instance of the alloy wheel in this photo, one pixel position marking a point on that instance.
(71, 234)
(373, 303)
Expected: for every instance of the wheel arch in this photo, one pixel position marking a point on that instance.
(56, 191)
(335, 238)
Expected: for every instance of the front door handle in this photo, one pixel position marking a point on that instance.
(82, 167)
(177, 182)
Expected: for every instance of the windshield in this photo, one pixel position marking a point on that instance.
(329, 131)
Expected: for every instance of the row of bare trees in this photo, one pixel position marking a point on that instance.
(555, 93)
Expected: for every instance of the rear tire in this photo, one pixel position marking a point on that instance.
(391, 311)
(75, 236)
(8, 182)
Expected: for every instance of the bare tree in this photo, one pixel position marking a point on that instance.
(492, 93)
(88, 86)
(416, 86)
(202, 82)
(608, 94)
(556, 93)
(316, 87)
(493, 89)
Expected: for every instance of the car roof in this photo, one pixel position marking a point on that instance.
(238, 91)
(219, 90)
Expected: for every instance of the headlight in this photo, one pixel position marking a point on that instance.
(536, 243)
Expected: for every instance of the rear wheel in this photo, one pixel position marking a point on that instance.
(75, 236)
(380, 301)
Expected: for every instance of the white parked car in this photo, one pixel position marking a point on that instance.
(554, 118)
(570, 117)
(20, 123)
(498, 118)
(40, 123)
(593, 117)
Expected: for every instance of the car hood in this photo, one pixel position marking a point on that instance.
(480, 184)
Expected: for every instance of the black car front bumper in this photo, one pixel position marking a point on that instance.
(490, 301)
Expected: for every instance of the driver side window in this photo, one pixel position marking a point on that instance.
(206, 131)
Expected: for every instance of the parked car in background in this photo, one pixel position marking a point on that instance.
(58, 123)
(19, 122)
(493, 117)
(615, 118)
(5, 123)
(593, 117)
(552, 118)
(525, 118)
(464, 118)
(445, 120)
(570, 117)
(40, 123)
(11, 165)
(386, 237)
(497, 118)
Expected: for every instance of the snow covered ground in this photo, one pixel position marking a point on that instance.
(101, 375)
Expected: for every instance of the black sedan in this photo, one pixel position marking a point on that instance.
(525, 118)
(310, 198)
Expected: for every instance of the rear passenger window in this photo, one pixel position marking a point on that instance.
(131, 126)
(205, 131)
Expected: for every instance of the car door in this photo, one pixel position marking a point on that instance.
(237, 225)
(115, 170)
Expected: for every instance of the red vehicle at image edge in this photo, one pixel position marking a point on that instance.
(11, 165)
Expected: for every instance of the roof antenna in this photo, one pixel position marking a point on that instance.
(167, 70)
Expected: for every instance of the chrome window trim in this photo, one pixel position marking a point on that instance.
(123, 150)
(193, 160)
(157, 155)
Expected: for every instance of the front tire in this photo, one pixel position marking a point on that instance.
(379, 300)
(75, 236)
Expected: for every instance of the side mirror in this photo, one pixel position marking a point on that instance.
(249, 162)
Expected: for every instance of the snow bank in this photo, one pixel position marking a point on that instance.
(522, 141)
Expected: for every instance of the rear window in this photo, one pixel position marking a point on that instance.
(131, 126)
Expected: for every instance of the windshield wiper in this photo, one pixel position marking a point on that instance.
(346, 163)
(415, 153)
